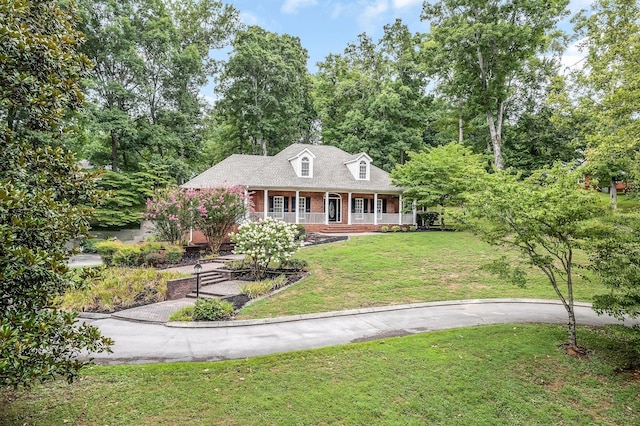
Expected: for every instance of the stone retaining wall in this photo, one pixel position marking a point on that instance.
(180, 287)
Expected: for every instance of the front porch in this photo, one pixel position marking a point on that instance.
(366, 211)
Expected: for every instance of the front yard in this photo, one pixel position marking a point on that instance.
(398, 268)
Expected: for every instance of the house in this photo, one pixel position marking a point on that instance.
(318, 186)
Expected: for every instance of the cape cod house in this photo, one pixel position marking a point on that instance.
(318, 186)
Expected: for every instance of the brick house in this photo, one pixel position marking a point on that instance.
(318, 186)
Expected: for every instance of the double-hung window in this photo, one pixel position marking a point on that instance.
(302, 208)
(358, 204)
(278, 207)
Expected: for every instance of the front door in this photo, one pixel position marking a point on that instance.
(334, 210)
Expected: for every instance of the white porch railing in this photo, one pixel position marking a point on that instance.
(319, 218)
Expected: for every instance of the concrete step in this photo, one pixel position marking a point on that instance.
(222, 289)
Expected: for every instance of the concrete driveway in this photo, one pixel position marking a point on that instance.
(213, 341)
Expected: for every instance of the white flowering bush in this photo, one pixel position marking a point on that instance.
(266, 241)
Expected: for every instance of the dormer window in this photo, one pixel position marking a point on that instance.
(304, 167)
(363, 170)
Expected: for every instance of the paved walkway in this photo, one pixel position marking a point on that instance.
(213, 341)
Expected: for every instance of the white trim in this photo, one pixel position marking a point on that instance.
(375, 208)
(266, 204)
(400, 212)
(326, 208)
(349, 210)
(297, 207)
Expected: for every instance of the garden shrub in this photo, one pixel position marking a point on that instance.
(384, 229)
(174, 254)
(296, 264)
(153, 259)
(183, 314)
(265, 241)
(395, 228)
(106, 250)
(236, 265)
(89, 245)
(128, 255)
(413, 228)
(302, 233)
(212, 310)
(260, 288)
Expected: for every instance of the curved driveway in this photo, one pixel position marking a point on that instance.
(213, 341)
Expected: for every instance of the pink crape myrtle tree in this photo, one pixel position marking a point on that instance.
(216, 210)
(213, 211)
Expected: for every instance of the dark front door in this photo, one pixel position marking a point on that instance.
(334, 210)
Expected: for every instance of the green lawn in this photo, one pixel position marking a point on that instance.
(625, 201)
(397, 268)
(506, 374)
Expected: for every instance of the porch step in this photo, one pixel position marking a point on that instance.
(337, 229)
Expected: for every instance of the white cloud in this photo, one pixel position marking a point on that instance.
(401, 4)
(249, 18)
(292, 6)
(573, 58)
(372, 12)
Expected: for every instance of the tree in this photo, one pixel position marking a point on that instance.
(440, 176)
(544, 218)
(372, 97)
(264, 90)
(614, 252)
(152, 58)
(610, 89)
(43, 193)
(480, 50)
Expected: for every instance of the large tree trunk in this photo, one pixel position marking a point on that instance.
(114, 151)
(495, 130)
(460, 128)
(613, 194)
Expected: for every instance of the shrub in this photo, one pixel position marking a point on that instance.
(212, 310)
(174, 254)
(261, 288)
(302, 233)
(128, 255)
(106, 250)
(265, 241)
(395, 228)
(236, 265)
(384, 229)
(89, 245)
(413, 228)
(153, 259)
(297, 264)
(256, 289)
(182, 314)
(120, 288)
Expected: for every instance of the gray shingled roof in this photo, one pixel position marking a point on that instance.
(329, 172)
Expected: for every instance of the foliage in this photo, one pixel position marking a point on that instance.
(213, 211)
(296, 264)
(153, 259)
(544, 218)
(395, 228)
(482, 51)
(260, 288)
(440, 176)
(610, 88)
(127, 193)
(264, 88)
(152, 58)
(115, 289)
(170, 212)
(117, 253)
(212, 310)
(614, 251)
(89, 245)
(266, 241)
(384, 228)
(372, 97)
(183, 314)
(43, 193)
(509, 374)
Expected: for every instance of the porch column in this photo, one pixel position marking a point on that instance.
(266, 204)
(247, 210)
(400, 210)
(375, 208)
(326, 208)
(415, 212)
(297, 207)
(349, 210)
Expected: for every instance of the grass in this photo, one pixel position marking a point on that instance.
(120, 288)
(398, 268)
(625, 201)
(501, 374)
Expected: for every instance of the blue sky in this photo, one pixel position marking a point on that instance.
(327, 26)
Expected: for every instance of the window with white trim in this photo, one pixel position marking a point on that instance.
(278, 207)
(302, 207)
(358, 207)
(363, 170)
(305, 170)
